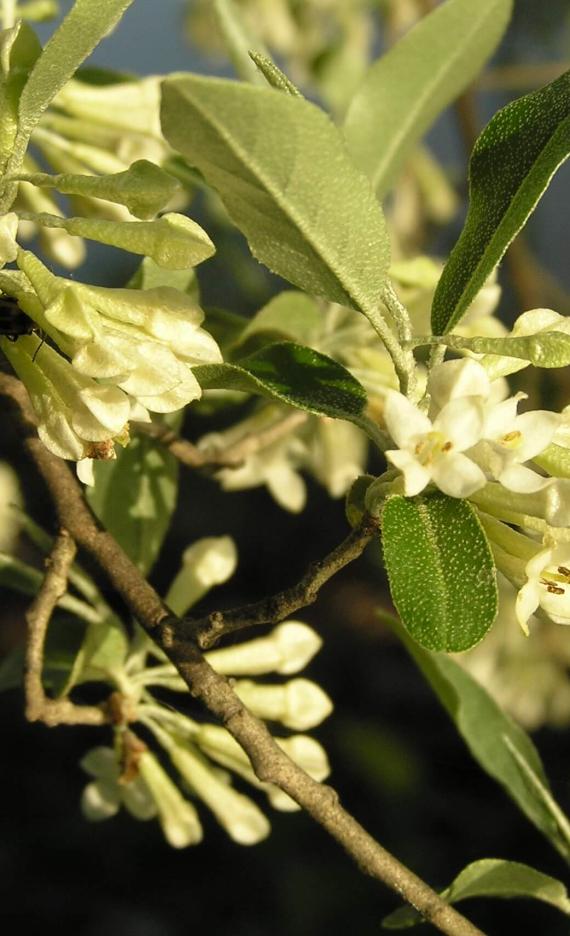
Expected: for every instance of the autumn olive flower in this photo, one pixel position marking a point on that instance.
(547, 585)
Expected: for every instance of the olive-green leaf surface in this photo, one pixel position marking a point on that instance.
(511, 165)
(293, 374)
(76, 37)
(282, 171)
(239, 40)
(492, 738)
(492, 877)
(404, 91)
(143, 188)
(19, 50)
(544, 349)
(440, 569)
(172, 241)
(290, 315)
(134, 497)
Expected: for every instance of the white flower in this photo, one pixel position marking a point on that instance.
(336, 453)
(104, 796)
(434, 451)
(177, 816)
(287, 649)
(510, 439)
(77, 417)
(547, 585)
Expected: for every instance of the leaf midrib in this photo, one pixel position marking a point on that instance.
(285, 207)
(425, 95)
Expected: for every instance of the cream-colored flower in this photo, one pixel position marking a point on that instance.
(547, 585)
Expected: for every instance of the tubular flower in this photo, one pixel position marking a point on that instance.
(547, 585)
(77, 417)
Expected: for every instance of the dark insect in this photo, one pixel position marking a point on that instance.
(13, 320)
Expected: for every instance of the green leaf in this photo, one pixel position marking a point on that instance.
(19, 50)
(492, 737)
(238, 40)
(544, 349)
(492, 877)
(81, 30)
(281, 169)
(404, 91)
(101, 654)
(143, 188)
(290, 315)
(151, 276)
(292, 374)
(440, 569)
(173, 241)
(511, 165)
(134, 498)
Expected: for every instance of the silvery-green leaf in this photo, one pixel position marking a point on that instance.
(76, 37)
(405, 90)
(238, 39)
(282, 171)
(291, 314)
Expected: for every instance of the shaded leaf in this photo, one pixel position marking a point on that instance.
(294, 374)
(440, 569)
(491, 736)
(281, 169)
(134, 497)
(290, 314)
(405, 90)
(492, 877)
(511, 165)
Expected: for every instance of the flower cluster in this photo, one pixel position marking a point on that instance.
(202, 757)
(131, 352)
(470, 439)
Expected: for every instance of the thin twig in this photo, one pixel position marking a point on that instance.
(206, 631)
(269, 762)
(230, 457)
(54, 586)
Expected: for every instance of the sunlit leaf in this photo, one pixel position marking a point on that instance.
(405, 90)
(512, 164)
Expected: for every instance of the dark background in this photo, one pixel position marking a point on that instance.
(397, 761)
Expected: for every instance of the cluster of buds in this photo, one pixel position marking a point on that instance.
(204, 756)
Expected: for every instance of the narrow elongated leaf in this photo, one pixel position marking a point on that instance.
(492, 877)
(19, 50)
(545, 349)
(143, 188)
(511, 165)
(238, 40)
(281, 169)
(440, 568)
(134, 498)
(173, 241)
(404, 91)
(491, 736)
(292, 374)
(81, 30)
